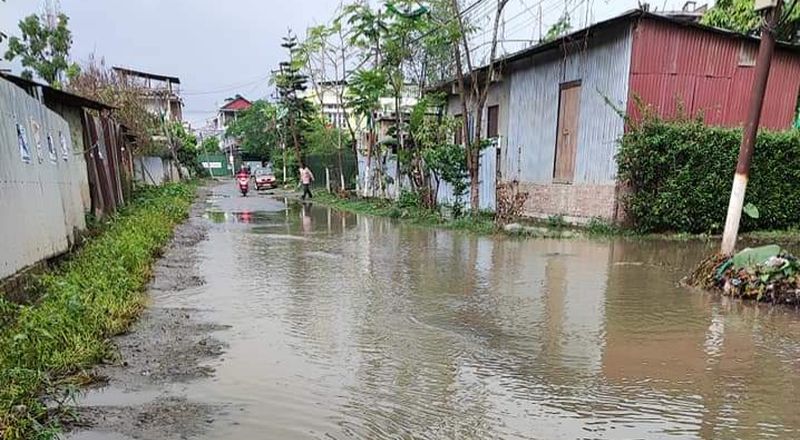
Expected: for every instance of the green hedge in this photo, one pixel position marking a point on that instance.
(680, 175)
(95, 294)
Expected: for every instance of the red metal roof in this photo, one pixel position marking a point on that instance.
(676, 67)
(237, 104)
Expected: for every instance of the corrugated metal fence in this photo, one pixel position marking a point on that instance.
(444, 195)
(41, 179)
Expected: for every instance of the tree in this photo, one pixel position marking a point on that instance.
(256, 129)
(741, 16)
(325, 55)
(473, 89)
(210, 145)
(290, 84)
(435, 156)
(186, 151)
(363, 97)
(44, 49)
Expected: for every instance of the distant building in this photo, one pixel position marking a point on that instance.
(225, 116)
(558, 108)
(161, 93)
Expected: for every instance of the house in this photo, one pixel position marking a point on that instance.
(227, 113)
(160, 93)
(225, 116)
(558, 108)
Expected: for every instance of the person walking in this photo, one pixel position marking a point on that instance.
(306, 177)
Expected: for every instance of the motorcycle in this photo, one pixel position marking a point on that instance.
(244, 184)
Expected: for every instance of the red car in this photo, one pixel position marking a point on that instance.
(264, 179)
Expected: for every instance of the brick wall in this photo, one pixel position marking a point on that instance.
(578, 203)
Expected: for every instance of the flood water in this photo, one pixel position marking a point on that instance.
(351, 327)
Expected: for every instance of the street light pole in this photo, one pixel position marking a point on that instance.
(765, 51)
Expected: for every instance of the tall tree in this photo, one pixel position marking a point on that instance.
(290, 84)
(44, 48)
(741, 16)
(363, 97)
(473, 88)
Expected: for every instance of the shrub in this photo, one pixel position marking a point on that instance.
(680, 172)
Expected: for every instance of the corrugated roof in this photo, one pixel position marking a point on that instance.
(139, 73)
(614, 22)
(237, 104)
(56, 95)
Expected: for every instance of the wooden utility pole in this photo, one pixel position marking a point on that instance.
(765, 49)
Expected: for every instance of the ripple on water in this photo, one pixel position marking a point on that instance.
(357, 327)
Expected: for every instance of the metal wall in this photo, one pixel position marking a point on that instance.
(674, 67)
(154, 170)
(41, 203)
(602, 65)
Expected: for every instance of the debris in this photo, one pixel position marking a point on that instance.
(767, 274)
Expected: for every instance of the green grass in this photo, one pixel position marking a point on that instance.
(552, 227)
(94, 294)
(480, 223)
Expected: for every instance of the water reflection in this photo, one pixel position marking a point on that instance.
(360, 327)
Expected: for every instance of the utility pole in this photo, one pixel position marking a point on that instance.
(765, 49)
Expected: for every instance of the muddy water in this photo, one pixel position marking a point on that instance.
(345, 326)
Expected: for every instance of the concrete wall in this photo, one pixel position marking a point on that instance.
(42, 202)
(602, 64)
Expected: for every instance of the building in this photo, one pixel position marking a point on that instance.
(160, 93)
(227, 113)
(558, 108)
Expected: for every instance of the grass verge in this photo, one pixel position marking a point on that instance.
(480, 223)
(93, 295)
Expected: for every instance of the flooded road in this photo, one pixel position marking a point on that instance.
(350, 327)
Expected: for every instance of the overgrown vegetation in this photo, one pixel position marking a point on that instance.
(410, 208)
(95, 294)
(679, 174)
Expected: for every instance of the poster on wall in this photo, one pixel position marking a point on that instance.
(37, 139)
(51, 149)
(22, 139)
(64, 146)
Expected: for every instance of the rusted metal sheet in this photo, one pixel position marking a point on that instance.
(706, 73)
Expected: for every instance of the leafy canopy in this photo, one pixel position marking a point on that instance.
(257, 129)
(43, 49)
(741, 16)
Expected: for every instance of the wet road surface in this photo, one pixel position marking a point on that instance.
(351, 327)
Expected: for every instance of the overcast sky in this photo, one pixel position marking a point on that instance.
(220, 48)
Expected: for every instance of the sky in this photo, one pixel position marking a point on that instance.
(221, 48)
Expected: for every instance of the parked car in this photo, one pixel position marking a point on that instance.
(264, 179)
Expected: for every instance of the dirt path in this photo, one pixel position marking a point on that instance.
(141, 396)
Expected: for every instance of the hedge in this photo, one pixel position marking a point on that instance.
(679, 174)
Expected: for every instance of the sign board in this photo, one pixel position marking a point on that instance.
(212, 165)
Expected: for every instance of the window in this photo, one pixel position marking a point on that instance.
(747, 54)
(567, 132)
(492, 115)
